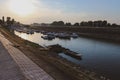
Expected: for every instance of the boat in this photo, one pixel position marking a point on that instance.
(50, 33)
(43, 32)
(59, 49)
(44, 37)
(74, 35)
(63, 36)
(73, 54)
(48, 37)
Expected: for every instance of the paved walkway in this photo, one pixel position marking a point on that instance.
(9, 70)
(27, 66)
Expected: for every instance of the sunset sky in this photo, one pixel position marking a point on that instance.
(30, 11)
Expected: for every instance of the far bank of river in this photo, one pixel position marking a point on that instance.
(100, 56)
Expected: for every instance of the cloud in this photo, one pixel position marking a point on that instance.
(47, 13)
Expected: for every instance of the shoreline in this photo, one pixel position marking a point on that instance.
(62, 65)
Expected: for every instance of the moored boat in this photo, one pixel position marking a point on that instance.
(74, 35)
(48, 37)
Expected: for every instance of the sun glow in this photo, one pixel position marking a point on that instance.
(22, 7)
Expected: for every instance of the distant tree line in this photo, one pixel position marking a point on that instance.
(98, 23)
(60, 23)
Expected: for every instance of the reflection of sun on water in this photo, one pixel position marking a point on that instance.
(22, 7)
(24, 36)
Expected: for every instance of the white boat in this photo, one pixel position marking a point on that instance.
(63, 36)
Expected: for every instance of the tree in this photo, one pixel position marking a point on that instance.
(104, 23)
(3, 19)
(97, 23)
(84, 23)
(90, 23)
(8, 21)
(68, 24)
(54, 23)
(100, 23)
(108, 24)
(76, 24)
(114, 25)
(12, 21)
(59, 23)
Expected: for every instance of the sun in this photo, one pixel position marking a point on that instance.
(22, 7)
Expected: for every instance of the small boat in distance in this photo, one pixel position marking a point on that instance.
(60, 35)
(48, 37)
(74, 35)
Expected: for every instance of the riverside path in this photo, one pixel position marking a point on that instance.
(28, 68)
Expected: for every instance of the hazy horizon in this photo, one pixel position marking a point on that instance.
(47, 11)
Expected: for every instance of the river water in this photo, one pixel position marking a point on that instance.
(99, 56)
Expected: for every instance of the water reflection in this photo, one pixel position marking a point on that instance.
(99, 56)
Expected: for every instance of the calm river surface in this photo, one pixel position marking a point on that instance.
(99, 56)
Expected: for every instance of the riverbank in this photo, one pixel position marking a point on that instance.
(28, 68)
(32, 51)
(57, 67)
